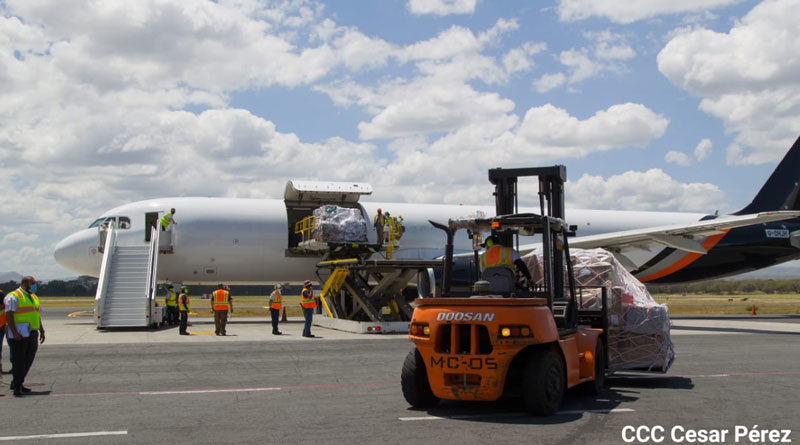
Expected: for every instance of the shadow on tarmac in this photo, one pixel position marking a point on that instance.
(510, 410)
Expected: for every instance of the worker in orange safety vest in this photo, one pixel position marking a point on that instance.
(308, 303)
(221, 303)
(275, 304)
(497, 255)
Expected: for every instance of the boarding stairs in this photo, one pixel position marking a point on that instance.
(126, 287)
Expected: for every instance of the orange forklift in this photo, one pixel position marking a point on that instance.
(532, 341)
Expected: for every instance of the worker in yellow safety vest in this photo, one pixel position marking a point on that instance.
(308, 303)
(2, 328)
(497, 255)
(25, 331)
(221, 303)
(184, 306)
(379, 222)
(171, 301)
(168, 219)
(275, 303)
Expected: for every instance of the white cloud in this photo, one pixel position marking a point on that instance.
(703, 149)
(519, 59)
(651, 190)
(677, 158)
(749, 77)
(611, 46)
(442, 7)
(550, 132)
(626, 11)
(548, 82)
(18, 238)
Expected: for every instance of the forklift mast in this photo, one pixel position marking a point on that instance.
(551, 203)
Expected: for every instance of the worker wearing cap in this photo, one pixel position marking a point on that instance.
(221, 302)
(379, 221)
(184, 305)
(168, 219)
(275, 301)
(497, 255)
(308, 303)
(171, 301)
(25, 331)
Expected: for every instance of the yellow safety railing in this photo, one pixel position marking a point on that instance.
(304, 227)
(332, 286)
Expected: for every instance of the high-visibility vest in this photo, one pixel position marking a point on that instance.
(184, 301)
(27, 309)
(307, 299)
(221, 297)
(166, 219)
(277, 299)
(381, 222)
(497, 256)
(172, 299)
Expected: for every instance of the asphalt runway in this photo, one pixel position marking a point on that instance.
(250, 387)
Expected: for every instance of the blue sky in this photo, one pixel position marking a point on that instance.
(685, 105)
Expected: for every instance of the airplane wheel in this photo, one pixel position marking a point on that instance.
(414, 381)
(597, 385)
(543, 384)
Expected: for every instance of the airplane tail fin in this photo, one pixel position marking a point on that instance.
(782, 189)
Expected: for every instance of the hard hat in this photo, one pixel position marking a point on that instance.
(490, 241)
(278, 286)
(307, 283)
(184, 289)
(379, 209)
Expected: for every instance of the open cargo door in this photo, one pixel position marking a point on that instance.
(302, 197)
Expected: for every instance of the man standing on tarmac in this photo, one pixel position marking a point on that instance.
(184, 306)
(275, 301)
(309, 304)
(221, 301)
(171, 301)
(25, 331)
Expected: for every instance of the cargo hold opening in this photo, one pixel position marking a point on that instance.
(303, 197)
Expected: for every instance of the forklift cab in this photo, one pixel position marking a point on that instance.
(560, 295)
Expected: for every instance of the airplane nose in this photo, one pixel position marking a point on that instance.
(74, 252)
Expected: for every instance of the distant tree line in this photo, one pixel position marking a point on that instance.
(79, 287)
(729, 287)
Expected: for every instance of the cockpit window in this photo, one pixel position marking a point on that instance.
(121, 222)
(96, 222)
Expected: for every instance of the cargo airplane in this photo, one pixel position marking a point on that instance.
(250, 241)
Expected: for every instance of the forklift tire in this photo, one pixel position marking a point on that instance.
(597, 385)
(543, 383)
(414, 381)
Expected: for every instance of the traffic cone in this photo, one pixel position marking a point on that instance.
(753, 310)
(283, 316)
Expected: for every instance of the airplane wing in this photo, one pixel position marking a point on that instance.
(685, 237)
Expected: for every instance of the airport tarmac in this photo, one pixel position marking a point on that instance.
(137, 386)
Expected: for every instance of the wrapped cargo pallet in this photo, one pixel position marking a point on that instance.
(334, 224)
(639, 328)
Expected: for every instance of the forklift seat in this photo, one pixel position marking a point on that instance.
(501, 279)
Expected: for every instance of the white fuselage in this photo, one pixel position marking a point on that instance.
(245, 241)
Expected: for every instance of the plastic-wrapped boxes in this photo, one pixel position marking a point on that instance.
(639, 328)
(334, 224)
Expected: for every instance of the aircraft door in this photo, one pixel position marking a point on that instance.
(150, 220)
